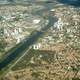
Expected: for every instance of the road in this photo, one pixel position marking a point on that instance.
(27, 43)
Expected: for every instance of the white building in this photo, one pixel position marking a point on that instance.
(52, 10)
(18, 40)
(59, 24)
(36, 21)
(36, 46)
(20, 30)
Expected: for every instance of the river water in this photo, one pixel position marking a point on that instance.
(75, 3)
(30, 41)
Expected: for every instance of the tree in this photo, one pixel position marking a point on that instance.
(2, 45)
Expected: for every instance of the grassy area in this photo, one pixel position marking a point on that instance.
(8, 67)
(48, 56)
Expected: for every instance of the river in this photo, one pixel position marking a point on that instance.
(28, 42)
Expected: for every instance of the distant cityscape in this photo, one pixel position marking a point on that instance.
(39, 40)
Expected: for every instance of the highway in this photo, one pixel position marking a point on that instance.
(18, 53)
(26, 44)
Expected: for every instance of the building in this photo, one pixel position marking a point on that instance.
(36, 46)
